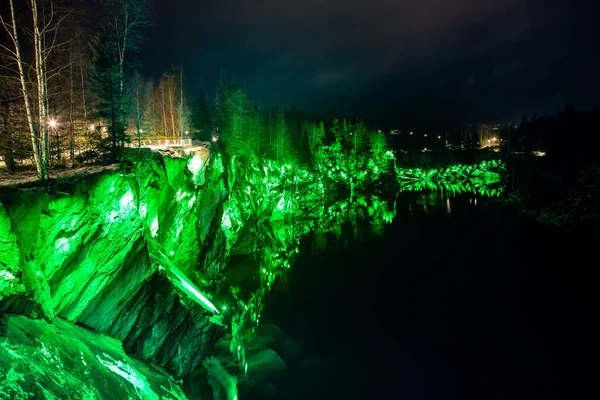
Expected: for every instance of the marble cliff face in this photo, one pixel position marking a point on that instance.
(129, 253)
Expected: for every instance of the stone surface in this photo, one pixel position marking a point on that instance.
(63, 361)
(97, 251)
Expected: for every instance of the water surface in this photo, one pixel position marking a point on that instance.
(455, 299)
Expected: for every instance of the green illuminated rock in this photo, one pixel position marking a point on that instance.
(63, 361)
(99, 252)
(11, 282)
(139, 253)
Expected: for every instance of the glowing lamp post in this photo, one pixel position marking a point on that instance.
(53, 124)
(215, 138)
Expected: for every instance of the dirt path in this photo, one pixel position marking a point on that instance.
(27, 177)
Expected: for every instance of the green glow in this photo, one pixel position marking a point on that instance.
(195, 166)
(484, 179)
(126, 201)
(62, 245)
(188, 286)
(154, 227)
(269, 206)
(143, 211)
(130, 375)
(294, 201)
(6, 275)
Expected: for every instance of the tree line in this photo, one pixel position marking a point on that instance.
(67, 91)
(289, 136)
(71, 93)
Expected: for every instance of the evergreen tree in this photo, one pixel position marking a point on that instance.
(222, 107)
(336, 130)
(280, 136)
(316, 135)
(201, 119)
(106, 85)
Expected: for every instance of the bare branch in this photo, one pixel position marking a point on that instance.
(43, 30)
(58, 23)
(53, 47)
(12, 77)
(9, 29)
(13, 55)
(56, 71)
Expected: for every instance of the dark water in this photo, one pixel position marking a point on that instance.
(453, 301)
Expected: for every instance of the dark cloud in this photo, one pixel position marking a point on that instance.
(483, 59)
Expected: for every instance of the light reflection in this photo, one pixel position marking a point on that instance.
(286, 204)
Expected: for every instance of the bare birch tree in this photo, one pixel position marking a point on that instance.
(126, 20)
(44, 34)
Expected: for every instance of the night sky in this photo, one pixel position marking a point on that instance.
(426, 64)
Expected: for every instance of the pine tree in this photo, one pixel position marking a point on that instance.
(201, 119)
(105, 78)
(316, 135)
(222, 107)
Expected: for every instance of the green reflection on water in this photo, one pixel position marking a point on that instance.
(483, 179)
(278, 204)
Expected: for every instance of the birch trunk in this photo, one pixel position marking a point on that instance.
(42, 96)
(39, 162)
(71, 116)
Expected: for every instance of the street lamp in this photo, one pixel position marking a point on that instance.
(215, 138)
(53, 124)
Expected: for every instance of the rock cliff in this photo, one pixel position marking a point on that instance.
(134, 253)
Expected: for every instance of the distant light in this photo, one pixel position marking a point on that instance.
(141, 131)
(92, 127)
(104, 129)
(411, 133)
(439, 137)
(187, 132)
(425, 135)
(215, 138)
(52, 123)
